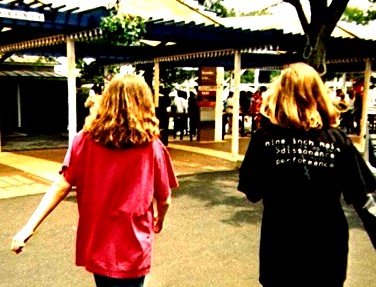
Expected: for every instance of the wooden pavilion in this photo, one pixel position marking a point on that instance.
(34, 28)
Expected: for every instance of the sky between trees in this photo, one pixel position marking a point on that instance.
(255, 5)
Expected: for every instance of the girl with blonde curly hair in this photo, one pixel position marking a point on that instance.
(122, 172)
(300, 165)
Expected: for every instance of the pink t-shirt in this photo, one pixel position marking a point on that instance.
(115, 191)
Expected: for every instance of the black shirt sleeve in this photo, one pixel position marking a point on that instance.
(251, 169)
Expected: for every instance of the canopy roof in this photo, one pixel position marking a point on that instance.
(27, 20)
(210, 45)
(41, 29)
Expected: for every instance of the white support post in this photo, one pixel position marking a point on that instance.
(19, 110)
(219, 104)
(256, 79)
(365, 103)
(235, 112)
(72, 112)
(156, 84)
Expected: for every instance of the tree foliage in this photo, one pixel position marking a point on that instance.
(170, 76)
(248, 76)
(353, 14)
(94, 72)
(121, 29)
(217, 7)
(124, 30)
(317, 28)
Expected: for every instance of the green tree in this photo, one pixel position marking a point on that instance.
(119, 30)
(323, 18)
(248, 76)
(123, 30)
(353, 14)
(217, 7)
(170, 76)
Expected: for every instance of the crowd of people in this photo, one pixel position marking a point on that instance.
(350, 104)
(249, 111)
(182, 108)
(179, 106)
(123, 177)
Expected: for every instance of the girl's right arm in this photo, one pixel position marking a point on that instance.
(55, 194)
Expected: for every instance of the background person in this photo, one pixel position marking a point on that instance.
(358, 105)
(163, 116)
(181, 117)
(119, 167)
(93, 100)
(228, 106)
(343, 105)
(256, 102)
(307, 164)
(95, 94)
(193, 115)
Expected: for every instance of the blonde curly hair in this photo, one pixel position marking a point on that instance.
(298, 99)
(125, 115)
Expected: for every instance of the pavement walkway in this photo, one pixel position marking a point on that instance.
(31, 163)
(210, 237)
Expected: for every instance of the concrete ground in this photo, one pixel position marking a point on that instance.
(210, 237)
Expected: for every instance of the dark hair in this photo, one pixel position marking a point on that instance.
(263, 89)
(182, 94)
(97, 88)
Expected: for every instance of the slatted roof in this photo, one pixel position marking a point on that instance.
(194, 44)
(23, 21)
(210, 45)
(33, 74)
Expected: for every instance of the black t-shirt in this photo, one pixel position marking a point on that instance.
(301, 177)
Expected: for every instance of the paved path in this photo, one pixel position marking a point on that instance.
(210, 237)
(29, 176)
(27, 171)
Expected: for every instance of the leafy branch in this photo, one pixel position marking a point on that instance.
(359, 16)
(123, 30)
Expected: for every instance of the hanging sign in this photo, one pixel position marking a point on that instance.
(206, 98)
(207, 76)
(21, 15)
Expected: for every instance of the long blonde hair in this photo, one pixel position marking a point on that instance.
(299, 99)
(126, 114)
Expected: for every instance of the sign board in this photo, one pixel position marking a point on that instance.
(21, 15)
(208, 88)
(206, 98)
(207, 76)
(207, 114)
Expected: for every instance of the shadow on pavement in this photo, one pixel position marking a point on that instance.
(219, 189)
(210, 238)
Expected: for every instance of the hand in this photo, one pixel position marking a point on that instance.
(158, 224)
(19, 240)
(371, 204)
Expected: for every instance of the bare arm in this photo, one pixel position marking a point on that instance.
(55, 194)
(162, 207)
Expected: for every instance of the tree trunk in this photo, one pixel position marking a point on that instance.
(315, 51)
(323, 21)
